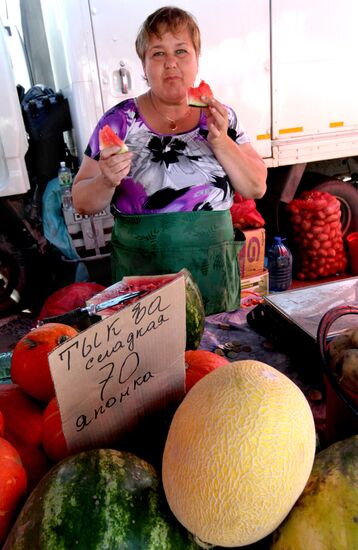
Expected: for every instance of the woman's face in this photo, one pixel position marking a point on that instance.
(171, 65)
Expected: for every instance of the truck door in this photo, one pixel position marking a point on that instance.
(314, 80)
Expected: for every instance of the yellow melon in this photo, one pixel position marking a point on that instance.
(238, 454)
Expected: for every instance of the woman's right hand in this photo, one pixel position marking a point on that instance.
(114, 166)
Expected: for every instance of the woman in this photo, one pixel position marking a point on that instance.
(171, 193)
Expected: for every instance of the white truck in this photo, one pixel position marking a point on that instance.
(288, 67)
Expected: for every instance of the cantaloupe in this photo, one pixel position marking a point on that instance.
(238, 454)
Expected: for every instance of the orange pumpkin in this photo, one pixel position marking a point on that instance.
(22, 414)
(34, 460)
(13, 484)
(198, 363)
(53, 439)
(2, 424)
(29, 363)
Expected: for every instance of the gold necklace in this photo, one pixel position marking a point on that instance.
(173, 125)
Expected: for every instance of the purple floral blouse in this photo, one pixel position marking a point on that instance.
(169, 173)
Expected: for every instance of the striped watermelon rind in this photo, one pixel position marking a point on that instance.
(194, 94)
(195, 312)
(100, 499)
(108, 138)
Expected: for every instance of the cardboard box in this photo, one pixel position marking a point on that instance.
(258, 283)
(252, 254)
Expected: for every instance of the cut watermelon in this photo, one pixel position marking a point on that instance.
(108, 138)
(194, 94)
(195, 313)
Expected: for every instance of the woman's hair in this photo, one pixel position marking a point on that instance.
(167, 19)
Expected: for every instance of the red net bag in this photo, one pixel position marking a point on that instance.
(319, 249)
(244, 213)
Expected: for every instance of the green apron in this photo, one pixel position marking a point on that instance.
(203, 242)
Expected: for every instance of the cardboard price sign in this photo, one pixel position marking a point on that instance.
(120, 369)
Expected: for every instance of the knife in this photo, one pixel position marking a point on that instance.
(81, 313)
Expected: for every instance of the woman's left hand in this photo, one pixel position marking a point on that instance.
(217, 121)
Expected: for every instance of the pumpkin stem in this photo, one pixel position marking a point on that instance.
(62, 339)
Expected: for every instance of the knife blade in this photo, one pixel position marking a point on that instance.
(80, 313)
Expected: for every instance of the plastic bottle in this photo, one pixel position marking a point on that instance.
(279, 264)
(65, 179)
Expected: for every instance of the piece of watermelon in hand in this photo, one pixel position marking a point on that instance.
(194, 94)
(108, 138)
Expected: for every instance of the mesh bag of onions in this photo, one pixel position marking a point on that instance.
(317, 232)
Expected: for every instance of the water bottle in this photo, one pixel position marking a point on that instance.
(65, 179)
(279, 264)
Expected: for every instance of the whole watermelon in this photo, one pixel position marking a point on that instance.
(98, 500)
(325, 517)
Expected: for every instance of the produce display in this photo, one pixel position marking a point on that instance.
(238, 454)
(319, 248)
(343, 360)
(108, 138)
(325, 515)
(98, 500)
(29, 364)
(229, 465)
(194, 94)
(198, 363)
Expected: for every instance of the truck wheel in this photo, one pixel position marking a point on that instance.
(348, 197)
(12, 277)
(345, 192)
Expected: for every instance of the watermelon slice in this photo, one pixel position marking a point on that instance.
(108, 138)
(194, 94)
